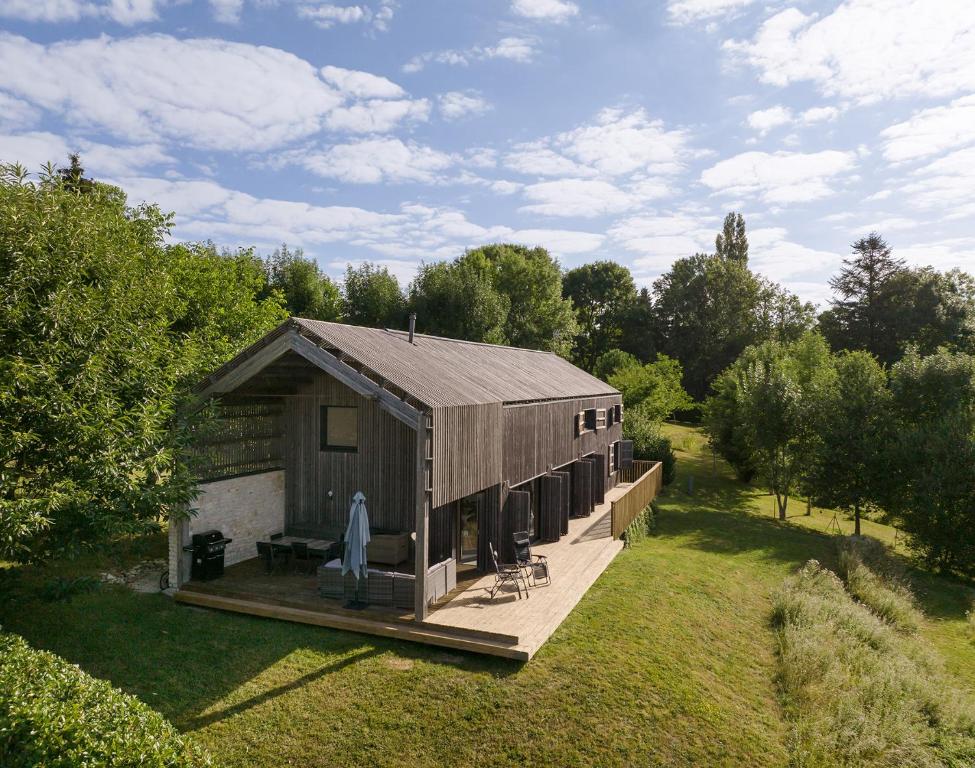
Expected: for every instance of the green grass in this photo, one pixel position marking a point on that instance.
(668, 660)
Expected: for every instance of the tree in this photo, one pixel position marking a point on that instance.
(101, 327)
(654, 387)
(780, 315)
(931, 461)
(649, 443)
(613, 361)
(857, 315)
(639, 323)
(530, 279)
(371, 296)
(307, 291)
(732, 242)
(704, 307)
(852, 429)
(458, 300)
(601, 293)
(928, 309)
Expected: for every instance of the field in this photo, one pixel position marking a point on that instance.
(668, 660)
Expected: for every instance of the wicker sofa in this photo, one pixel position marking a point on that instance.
(385, 587)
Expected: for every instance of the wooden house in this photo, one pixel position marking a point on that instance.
(455, 444)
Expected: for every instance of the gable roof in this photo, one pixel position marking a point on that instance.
(448, 372)
(435, 371)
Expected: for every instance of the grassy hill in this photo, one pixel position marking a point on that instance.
(668, 660)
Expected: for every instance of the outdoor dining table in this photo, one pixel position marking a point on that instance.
(315, 546)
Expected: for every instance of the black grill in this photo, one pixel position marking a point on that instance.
(208, 552)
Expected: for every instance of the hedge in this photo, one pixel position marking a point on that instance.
(54, 715)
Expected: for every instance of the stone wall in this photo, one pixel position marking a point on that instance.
(244, 509)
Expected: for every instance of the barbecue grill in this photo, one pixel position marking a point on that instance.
(208, 552)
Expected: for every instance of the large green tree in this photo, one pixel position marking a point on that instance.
(371, 296)
(931, 460)
(654, 387)
(501, 293)
(602, 293)
(102, 326)
(852, 430)
(307, 291)
(732, 242)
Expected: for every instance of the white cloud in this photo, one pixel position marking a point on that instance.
(803, 269)
(946, 184)
(687, 11)
(125, 12)
(16, 113)
(819, 115)
(227, 11)
(931, 131)
(780, 177)
(617, 143)
(457, 104)
(558, 241)
(949, 253)
(362, 85)
(765, 120)
(327, 15)
(376, 160)
(210, 94)
(868, 50)
(545, 10)
(660, 240)
(584, 198)
(35, 148)
(518, 49)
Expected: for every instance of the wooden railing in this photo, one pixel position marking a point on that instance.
(646, 478)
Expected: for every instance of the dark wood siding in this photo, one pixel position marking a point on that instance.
(549, 521)
(539, 437)
(582, 488)
(566, 501)
(489, 524)
(443, 533)
(466, 450)
(383, 468)
(599, 477)
(517, 508)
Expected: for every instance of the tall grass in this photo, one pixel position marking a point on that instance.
(857, 689)
(875, 578)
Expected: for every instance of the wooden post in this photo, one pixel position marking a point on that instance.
(420, 607)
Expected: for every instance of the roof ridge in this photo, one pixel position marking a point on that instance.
(467, 341)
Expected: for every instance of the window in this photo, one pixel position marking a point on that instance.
(340, 428)
(590, 419)
(618, 408)
(610, 415)
(601, 418)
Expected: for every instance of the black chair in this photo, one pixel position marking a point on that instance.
(304, 560)
(266, 553)
(282, 553)
(276, 536)
(533, 565)
(506, 574)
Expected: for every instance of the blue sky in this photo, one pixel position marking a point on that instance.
(405, 131)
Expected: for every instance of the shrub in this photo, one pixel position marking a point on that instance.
(857, 691)
(873, 577)
(643, 525)
(649, 444)
(54, 715)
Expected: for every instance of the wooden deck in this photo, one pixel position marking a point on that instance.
(575, 562)
(467, 619)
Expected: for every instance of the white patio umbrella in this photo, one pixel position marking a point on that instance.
(356, 539)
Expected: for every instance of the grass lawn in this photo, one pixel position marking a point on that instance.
(668, 660)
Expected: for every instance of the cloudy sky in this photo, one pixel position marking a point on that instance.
(399, 131)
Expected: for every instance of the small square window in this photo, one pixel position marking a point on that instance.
(590, 419)
(601, 418)
(340, 428)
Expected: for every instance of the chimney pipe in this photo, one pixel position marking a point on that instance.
(412, 325)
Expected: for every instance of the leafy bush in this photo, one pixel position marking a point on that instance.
(648, 442)
(643, 525)
(869, 573)
(61, 588)
(859, 692)
(54, 715)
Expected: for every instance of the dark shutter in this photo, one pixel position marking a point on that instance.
(599, 478)
(565, 508)
(488, 525)
(626, 454)
(517, 510)
(549, 520)
(582, 488)
(442, 533)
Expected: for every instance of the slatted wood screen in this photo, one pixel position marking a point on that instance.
(489, 525)
(517, 510)
(599, 478)
(443, 533)
(565, 510)
(591, 460)
(626, 454)
(549, 521)
(582, 488)
(242, 440)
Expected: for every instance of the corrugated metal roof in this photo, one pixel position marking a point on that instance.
(446, 372)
